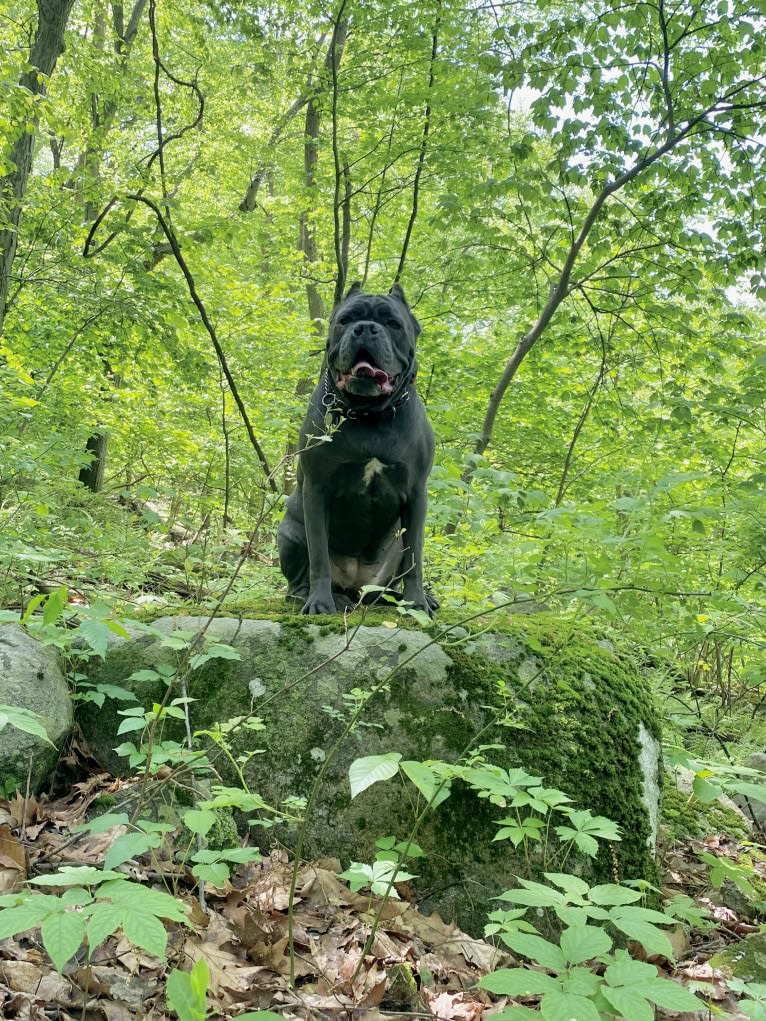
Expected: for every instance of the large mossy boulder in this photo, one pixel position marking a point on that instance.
(574, 711)
(31, 679)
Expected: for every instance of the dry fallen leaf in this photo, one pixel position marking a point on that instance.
(13, 861)
(457, 1007)
(21, 976)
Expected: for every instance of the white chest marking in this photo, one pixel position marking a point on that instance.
(371, 469)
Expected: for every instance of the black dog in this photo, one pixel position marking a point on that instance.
(357, 516)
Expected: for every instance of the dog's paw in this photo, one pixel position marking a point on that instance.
(343, 602)
(319, 603)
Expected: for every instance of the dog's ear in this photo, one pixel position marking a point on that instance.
(398, 292)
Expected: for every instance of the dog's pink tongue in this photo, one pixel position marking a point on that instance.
(371, 372)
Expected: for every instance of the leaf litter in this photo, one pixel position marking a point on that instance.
(415, 965)
(409, 966)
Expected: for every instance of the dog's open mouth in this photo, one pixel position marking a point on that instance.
(365, 379)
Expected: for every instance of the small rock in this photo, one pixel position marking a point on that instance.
(31, 678)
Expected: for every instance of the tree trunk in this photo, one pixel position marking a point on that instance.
(92, 475)
(88, 177)
(307, 240)
(46, 49)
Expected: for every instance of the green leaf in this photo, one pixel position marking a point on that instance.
(628, 1002)
(671, 996)
(54, 604)
(144, 898)
(512, 1014)
(534, 895)
(652, 939)
(378, 876)
(75, 896)
(220, 651)
(426, 781)
(754, 1009)
(241, 854)
(25, 916)
(572, 884)
(102, 823)
(584, 843)
(704, 790)
(62, 934)
(130, 725)
(581, 982)
(753, 791)
(583, 943)
(560, 1006)
(130, 845)
(25, 720)
(103, 920)
(144, 675)
(215, 873)
(574, 915)
(200, 978)
(260, 1015)
(187, 992)
(96, 634)
(625, 972)
(32, 605)
(611, 894)
(76, 875)
(199, 821)
(117, 693)
(517, 982)
(536, 949)
(364, 772)
(144, 930)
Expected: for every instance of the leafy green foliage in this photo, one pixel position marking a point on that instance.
(379, 877)
(187, 991)
(623, 988)
(615, 152)
(96, 904)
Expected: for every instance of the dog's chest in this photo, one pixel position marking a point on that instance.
(371, 471)
(371, 480)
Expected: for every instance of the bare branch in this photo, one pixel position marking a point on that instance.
(423, 149)
(203, 314)
(341, 232)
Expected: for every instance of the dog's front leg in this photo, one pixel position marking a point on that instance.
(320, 598)
(413, 523)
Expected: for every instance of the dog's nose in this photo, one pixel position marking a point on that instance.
(361, 328)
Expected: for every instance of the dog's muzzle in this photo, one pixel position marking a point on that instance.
(365, 364)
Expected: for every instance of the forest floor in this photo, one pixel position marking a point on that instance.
(408, 966)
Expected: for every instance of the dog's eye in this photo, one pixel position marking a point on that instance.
(394, 324)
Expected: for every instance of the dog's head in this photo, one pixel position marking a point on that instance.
(371, 346)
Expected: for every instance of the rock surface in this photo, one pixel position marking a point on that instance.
(745, 959)
(31, 678)
(538, 694)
